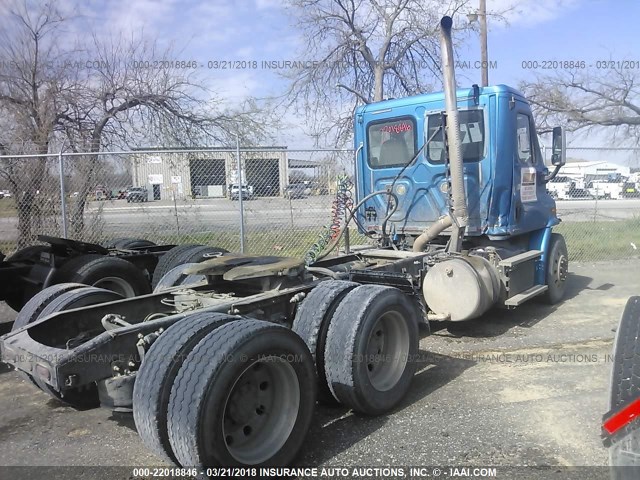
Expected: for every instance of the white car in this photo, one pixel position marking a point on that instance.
(247, 192)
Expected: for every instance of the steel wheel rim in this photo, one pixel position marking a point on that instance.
(116, 284)
(560, 264)
(387, 351)
(261, 410)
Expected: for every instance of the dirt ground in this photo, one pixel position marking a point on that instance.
(525, 387)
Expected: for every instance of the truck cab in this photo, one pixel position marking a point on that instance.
(504, 172)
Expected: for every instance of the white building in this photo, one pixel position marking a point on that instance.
(208, 173)
(594, 168)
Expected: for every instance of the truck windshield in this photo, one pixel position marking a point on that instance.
(392, 143)
(471, 136)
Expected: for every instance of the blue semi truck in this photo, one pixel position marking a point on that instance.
(224, 362)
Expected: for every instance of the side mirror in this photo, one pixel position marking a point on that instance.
(558, 147)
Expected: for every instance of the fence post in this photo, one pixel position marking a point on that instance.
(63, 199)
(240, 194)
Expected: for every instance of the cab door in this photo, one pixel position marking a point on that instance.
(531, 201)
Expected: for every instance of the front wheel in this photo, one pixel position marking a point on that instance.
(557, 269)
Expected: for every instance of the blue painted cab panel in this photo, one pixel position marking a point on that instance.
(505, 194)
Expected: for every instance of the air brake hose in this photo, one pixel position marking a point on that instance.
(352, 213)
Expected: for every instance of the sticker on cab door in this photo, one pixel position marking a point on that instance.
(528, 185)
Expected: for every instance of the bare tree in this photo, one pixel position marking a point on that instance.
(585, 100)
(96, 96)
(125, 102)
(362, 51)
(30, 80)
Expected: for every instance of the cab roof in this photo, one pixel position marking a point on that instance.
(461, 93)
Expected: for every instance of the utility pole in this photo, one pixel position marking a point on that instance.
(482, 13)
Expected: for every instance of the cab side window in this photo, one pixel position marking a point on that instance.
(523, 137)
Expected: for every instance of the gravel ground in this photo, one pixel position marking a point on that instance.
(525, 387)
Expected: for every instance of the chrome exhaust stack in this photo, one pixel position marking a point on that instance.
(454, 144)
(458, 217)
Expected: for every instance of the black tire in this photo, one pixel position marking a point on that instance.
(557, 270)
(180, 255)
(273, 370)
(175, 277)
(29, 253)
(625, 388)
(625, 374)
(198, 254)
(372, 323)
(158, 371)
(34, 307)
(101, 271)
(18, 299)
(87, 396)
(312, 323)
(167, 261)
(126, 242)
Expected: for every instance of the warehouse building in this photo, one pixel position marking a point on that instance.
(209, 173)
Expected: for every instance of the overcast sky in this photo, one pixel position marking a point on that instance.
(264, 30)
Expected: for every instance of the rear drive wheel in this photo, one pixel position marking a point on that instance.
(557, 269)
(34, 307)
(176, 276)
(157, 373)
(245, 395)
(312, 323)
(106, 272)
(183, 254)
(371, 347)
(87, 395)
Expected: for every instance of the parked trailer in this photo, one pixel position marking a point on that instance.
(223, 362)
(124, 265)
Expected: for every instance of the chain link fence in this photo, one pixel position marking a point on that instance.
(266, 201)
(273, 201)
(598, 200)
